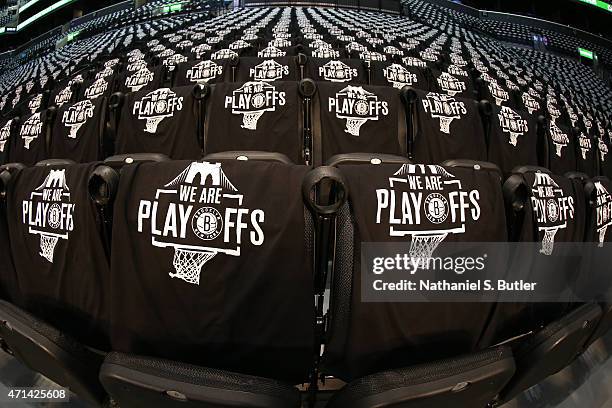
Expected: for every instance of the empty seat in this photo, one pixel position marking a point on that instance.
(368, 337)
(29, 145)
(358, 119)
(77, 131)
(58, 249)
(205, 269)
(388, 73)
(199, 72)
(270, 69)
(8, 130)
(446, 128)
(165, 120)
(257, 116)
(344, 71)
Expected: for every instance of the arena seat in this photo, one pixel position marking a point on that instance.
(468, 381)
(368, 337)
(259, 116)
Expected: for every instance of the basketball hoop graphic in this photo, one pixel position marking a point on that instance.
(53, 198)
(252, 100)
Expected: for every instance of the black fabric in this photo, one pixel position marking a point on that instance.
(453, 85)
(277, 129)
(436, 140)
(267, 69)
(96, 88)
(513, 139)
(8, 130)
(586, 154)
(76, 131)
(389, 335)
(359, 119)
(343, 71)
(29, 145)
(397, 75)
(9, 288)
(160, 121)
(248, 308)
(604, 148)
(562, 148)
(193, 72)
(553, 201)
(65, 283)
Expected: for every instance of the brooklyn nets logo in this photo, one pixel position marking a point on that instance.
(399, 76)
(445, 108)
(357, 106)
(49, 212)
(76, 116)
(451, 85)
(560, 139)
(551, 208)
(512, 123)
(5, 133)
(31, 129)
(337, 71)
(139, 79)
(603, 211)
(97, 89)
(252, 99)
(157, 106)
(200, 214)
(204, 71)
(268, 70)
(425, 202)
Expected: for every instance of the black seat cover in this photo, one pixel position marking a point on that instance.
(159, 121)
(210, 265)
(374, 336)
(58, 251)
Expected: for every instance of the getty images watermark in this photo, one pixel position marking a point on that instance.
(486, 272)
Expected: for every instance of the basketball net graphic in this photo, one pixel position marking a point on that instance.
(603, 211)
(189, 260)
(551, 210)
(362, 100)
(435, 206)
(259, 104)
(48, 239)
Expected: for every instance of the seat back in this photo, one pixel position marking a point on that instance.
(207, 269)
(366, 337)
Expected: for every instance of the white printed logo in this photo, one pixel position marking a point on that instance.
(511, 122)
(551, 209)
(451, 85)
(603, 210)
(64, 96)
(31, 129)
(585, 144)
(253, 99)
(530, 103)
(445, 108)
(204, 71)
(5, 133)
(223, 54)
(357, 106)
(77, 115)
(498, 93)
(139, 79)
(35, 103)
(156, 106)
(199, 219)
(324, 52)
(603, 148)
(49, 212)
(425, 202)
(399, 76)
(268, 70)
(97, 89)
(271, 52)
(337, 71)
(559, 138)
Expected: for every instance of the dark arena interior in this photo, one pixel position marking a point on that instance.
(298, 204)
